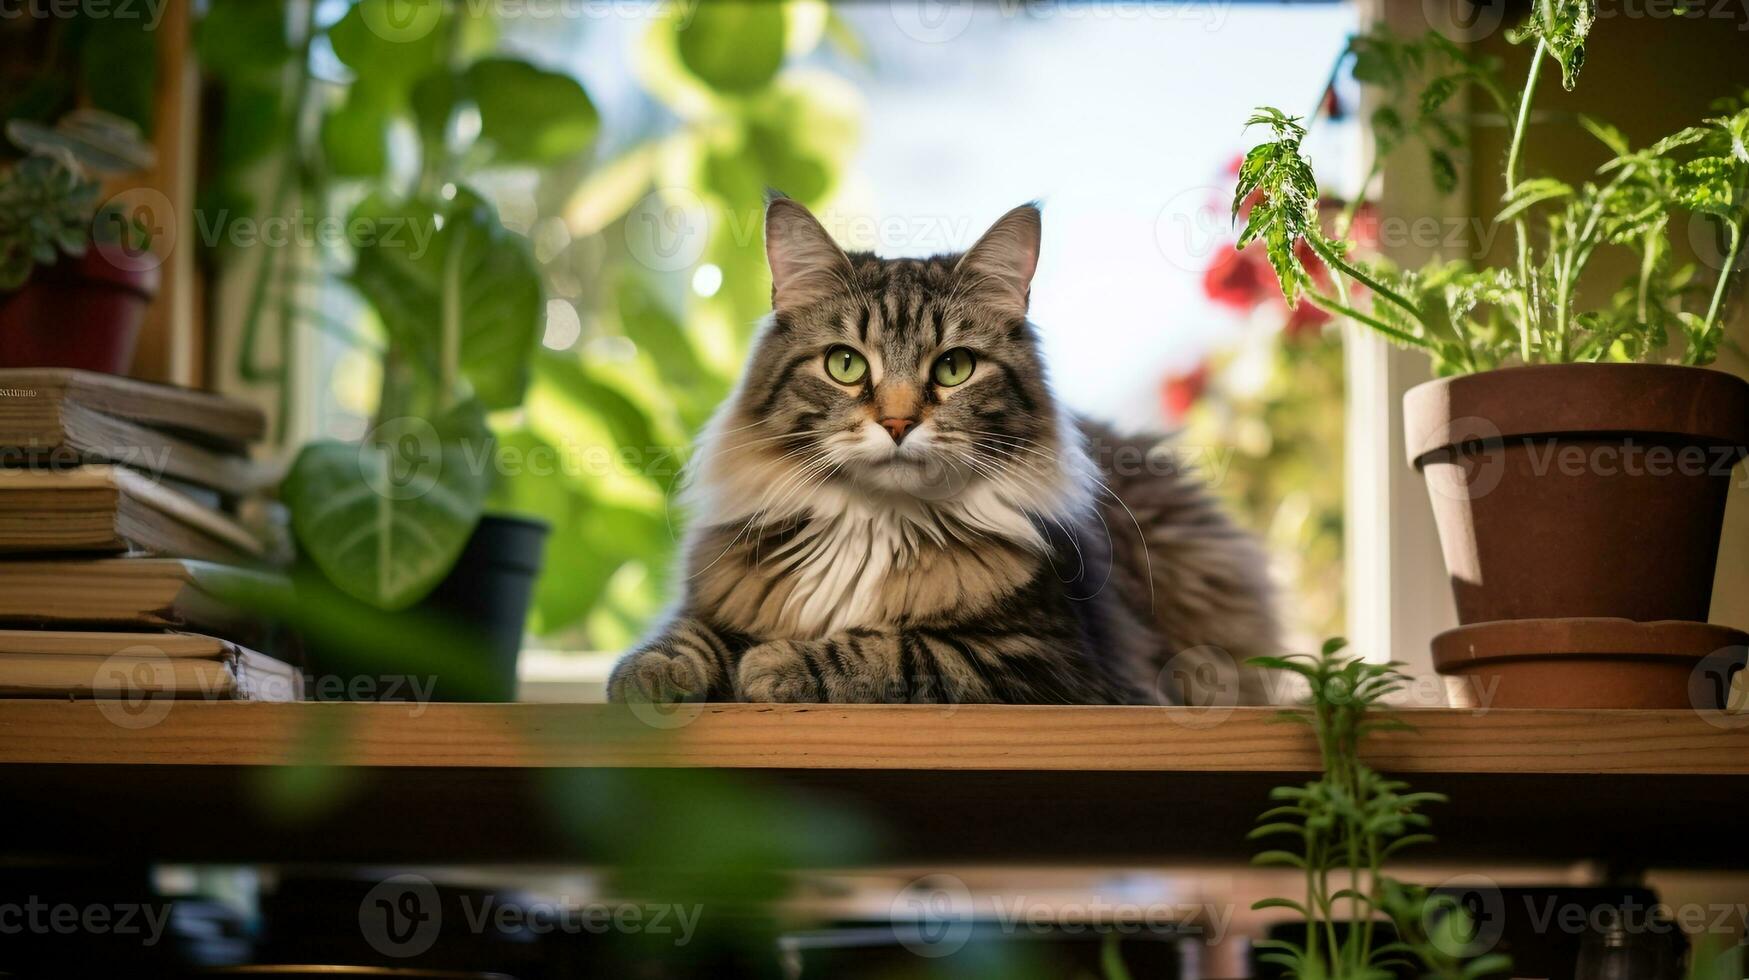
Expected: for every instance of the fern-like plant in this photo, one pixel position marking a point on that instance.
(1469, 319)
(1341, 828)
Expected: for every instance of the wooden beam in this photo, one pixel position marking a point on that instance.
(172, 344)
(852, 737)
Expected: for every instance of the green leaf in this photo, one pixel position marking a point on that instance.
(658, 333)
(1561, 25)
(1676, 140)
(1482, 966)
(1403, 842)
(1443, 169)
(1608, 135)
(1708, 185)
(46, 209)
(249, 125)
(530, 115)
(1279, 857)
(386, 520)
(433, 101)
(796, 142)
(733, 45)
(355, 139)
(497, 291)
(1351, 894)
(1387, 128)
(1438, 92)
(1270, 829)
(391, 60)
(1531, 192)
(624, 419)
(240, 39)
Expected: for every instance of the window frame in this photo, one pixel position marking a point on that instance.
(1397, 593)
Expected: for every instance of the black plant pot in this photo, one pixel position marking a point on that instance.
(459, 643)
(489, 590)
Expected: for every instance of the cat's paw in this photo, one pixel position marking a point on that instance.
(656, 677)
(777, 671)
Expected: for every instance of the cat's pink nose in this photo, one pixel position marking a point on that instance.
(898, 427)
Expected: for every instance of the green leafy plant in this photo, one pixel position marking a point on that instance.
(1343, 827)
(458, 296)
(49, 199)
(1469, 319)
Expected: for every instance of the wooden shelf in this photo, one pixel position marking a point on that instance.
(443, 783)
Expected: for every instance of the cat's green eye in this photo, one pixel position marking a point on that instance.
(953, 367)
(846, 366)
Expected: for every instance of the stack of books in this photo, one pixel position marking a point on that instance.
(119, 530)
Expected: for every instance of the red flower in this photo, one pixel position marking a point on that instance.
(1314, 265)
(1181, 391)
(1306, 320)
(1239, 279)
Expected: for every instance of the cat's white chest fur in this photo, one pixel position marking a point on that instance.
(840, 568)
(845, 564)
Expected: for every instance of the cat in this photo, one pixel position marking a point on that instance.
(892, 507)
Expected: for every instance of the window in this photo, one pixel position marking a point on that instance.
(909, 129)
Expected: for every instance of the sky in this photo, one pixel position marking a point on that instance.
(1122, 118)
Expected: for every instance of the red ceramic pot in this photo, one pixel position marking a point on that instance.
(78, 313)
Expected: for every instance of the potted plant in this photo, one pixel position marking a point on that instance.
(75, 278)
(1561, 445)
(397, 523)
(398, 519)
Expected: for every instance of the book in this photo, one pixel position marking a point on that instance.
(59, 432)
(140, 666)
(127, 593)
(112, 509)
(214, 420)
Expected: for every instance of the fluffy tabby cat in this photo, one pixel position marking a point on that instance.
(892, 507)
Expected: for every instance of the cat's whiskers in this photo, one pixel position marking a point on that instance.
(806, 478)
(753, 518)
(819, 482)
(798, 434)
(1074, 541)
(1028, 445)
(795, 480)
(690, 468)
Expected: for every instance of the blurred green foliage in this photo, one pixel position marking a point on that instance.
(621, 222)
(82, 56)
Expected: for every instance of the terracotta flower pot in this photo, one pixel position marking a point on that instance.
(1589, 663)
(1568, 490)
(78, 313)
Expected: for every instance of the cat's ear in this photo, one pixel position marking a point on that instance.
(999, 268)
(806, 264)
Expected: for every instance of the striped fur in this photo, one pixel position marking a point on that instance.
(1000, 552)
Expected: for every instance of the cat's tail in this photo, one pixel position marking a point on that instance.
(1185, 568)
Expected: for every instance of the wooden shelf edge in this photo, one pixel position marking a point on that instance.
(866, 737)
